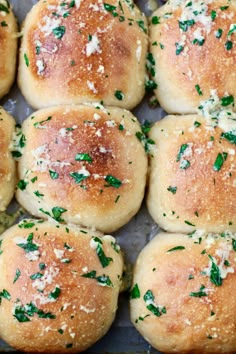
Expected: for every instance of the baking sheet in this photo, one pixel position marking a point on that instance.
(122, 337)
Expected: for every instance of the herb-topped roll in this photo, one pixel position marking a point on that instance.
(83, 164)
(59, 286)
(8, 47)
(193, 173)
(193, 51)
(183, 293)
(83, 51)
(7, 164)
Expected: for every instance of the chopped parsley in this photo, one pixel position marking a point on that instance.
(171, 189)
(59, 31)
(135, 292)
(141, 24)
(36, 276)
(78, 177)
(199, 91)
(179, 48)
(215, 276)
(220, 159)
(200, 293)
(83, 157)
(177, 248)
(199, 42)
(219, 33)
(184, 164)
(105, 261)
(182, 149)
(230, 136)
(151, 306)
(26, 60)
(5, 8)
(119, 95)
(55, 293)
(22, 313)
(227, 100)
(155, 20)
(234, 244)
(184, 25)
(188, 223)
(29, 245)
(53, 174)
(113, 181)
(4, 294)
(17, 275)
(39, 124)
(103, 280)
(56, 213)
(213, 15)
(228, 45)
(197, 124)
(22, 184)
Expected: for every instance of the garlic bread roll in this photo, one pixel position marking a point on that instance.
(194, 52)
(85, 161)
(83, 51)
(8, 47)
(192, 181)
(183, 293)
(59, 286)
(7, 163)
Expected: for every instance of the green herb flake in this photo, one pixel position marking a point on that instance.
(36, 276)
(227, 100)
(105, 261)
(113, 181)
(151, 306)
(103, 280)
(232, 29)
(42, 266)
(78, 177)
(4, 24)
(38, 194)
(60, 331)
(223, 8)
(59, 31)
(220, 159)
(190, 277)
(155, 20)
(39, 124)
(135, 292)
(197, 124)
(199, 42)
(171, 189)
(215, 276)
(189, 223)
(69, 345)
(182, 149)
(83, 157)
(22, 313)
(17, 275)
(230, 136)
(228, 45)
(234, 244)
(199, 91)
(219, 33)
(22, 184)
(119, 95)
(177, 248)
(4, 294)
(4, 8)
(150, 85)
(24, 224)
(179, 48)
(57, 212)
(184, 25)
(55, 293)
(29, 245)
(184, 164)
(26, 60)
(111, 9)
(53, 174)
(213, 15)
(200, 293)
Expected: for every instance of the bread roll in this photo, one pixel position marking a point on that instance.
(83, 51)
(7, 164)
(8, 47)
(86, 162)
(183, 294)
(193, 47)
(59, 286)
(193, 178)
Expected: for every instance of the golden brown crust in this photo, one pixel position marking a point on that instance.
(7, 164)
(8, 48)
(93, 52)
(87, 161)
(191, 193)
(82, 307)
(198, 315)
(182, 64)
